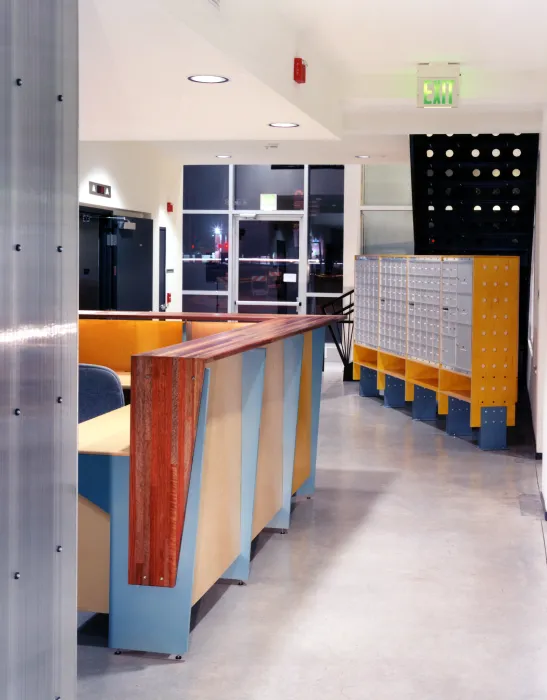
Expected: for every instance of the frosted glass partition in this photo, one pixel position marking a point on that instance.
(384, 232)
(389, 183)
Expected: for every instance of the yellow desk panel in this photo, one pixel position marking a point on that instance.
(108, 434)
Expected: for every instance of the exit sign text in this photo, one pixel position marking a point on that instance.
(438, 92)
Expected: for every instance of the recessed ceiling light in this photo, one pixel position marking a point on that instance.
(208, 79)
(224, 156)
(362, 156)
(284, 125)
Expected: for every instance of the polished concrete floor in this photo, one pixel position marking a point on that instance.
(417, 572)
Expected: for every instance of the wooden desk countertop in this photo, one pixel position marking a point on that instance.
(125, 379)
(173, 316)
(228, 343)
(107, 434)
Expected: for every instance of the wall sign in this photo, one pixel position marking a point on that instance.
(100, 190)
(438, 85)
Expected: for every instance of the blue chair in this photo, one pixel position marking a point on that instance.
(100, 391)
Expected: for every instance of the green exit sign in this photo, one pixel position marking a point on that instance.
(438, 85)
(438, 93)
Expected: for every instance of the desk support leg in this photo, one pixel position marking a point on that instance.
(252, 391)
(293, 351)
(150, 618)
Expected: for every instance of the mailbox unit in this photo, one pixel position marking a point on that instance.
(442, 332)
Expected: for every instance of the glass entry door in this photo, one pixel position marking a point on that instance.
(267, 261)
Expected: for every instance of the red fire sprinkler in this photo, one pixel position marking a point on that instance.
(300, 66)
(170, 208)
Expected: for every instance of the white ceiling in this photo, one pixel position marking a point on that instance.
(135, 56)
(392, 36)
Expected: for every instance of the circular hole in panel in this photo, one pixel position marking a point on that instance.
(496, 190)
(429, 135)
(515, 207)
(431, 207)
(496, 207)
(517, 152)
(448, 191)
(430, 173)
(449, 208)
(475, 135)
(496, 172)
(449, 173)
(429, 153)
(496, 152)
(516, 190)
(449, 153)
(516, 172)
(475, 153)
(477, 208)
(476, 172)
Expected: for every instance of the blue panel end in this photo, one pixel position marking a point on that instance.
(149, 618)
(318, 355)
(252, 390)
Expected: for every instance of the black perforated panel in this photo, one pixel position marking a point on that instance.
(476, 195)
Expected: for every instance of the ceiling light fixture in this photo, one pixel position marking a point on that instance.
(210, 79)
(362, 156)
(284, 125)
(224, 156)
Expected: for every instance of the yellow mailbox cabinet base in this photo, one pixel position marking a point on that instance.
(459, 313)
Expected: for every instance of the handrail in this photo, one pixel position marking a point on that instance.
(342, 331)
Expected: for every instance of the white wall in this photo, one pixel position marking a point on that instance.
(142, 179)
(352, 222)
(537, 332)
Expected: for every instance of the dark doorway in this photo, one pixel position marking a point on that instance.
(116, 254)
(162, 301)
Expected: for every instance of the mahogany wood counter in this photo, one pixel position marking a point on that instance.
(167, 387)
(221, 434)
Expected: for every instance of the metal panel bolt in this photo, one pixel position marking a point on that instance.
(19, 82)
(59, 549)
(59, 248)
(59, 399)
(17, 576)
(17, 411)
(18, 247)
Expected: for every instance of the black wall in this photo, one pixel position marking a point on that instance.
(476, 195)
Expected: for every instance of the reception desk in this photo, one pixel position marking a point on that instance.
(220, 435)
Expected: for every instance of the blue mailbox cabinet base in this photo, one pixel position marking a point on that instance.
(493, 430)
(368, 382)
(458, 419)
(424, 406)
(394, 393)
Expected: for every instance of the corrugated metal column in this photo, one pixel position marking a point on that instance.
(38, 348)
